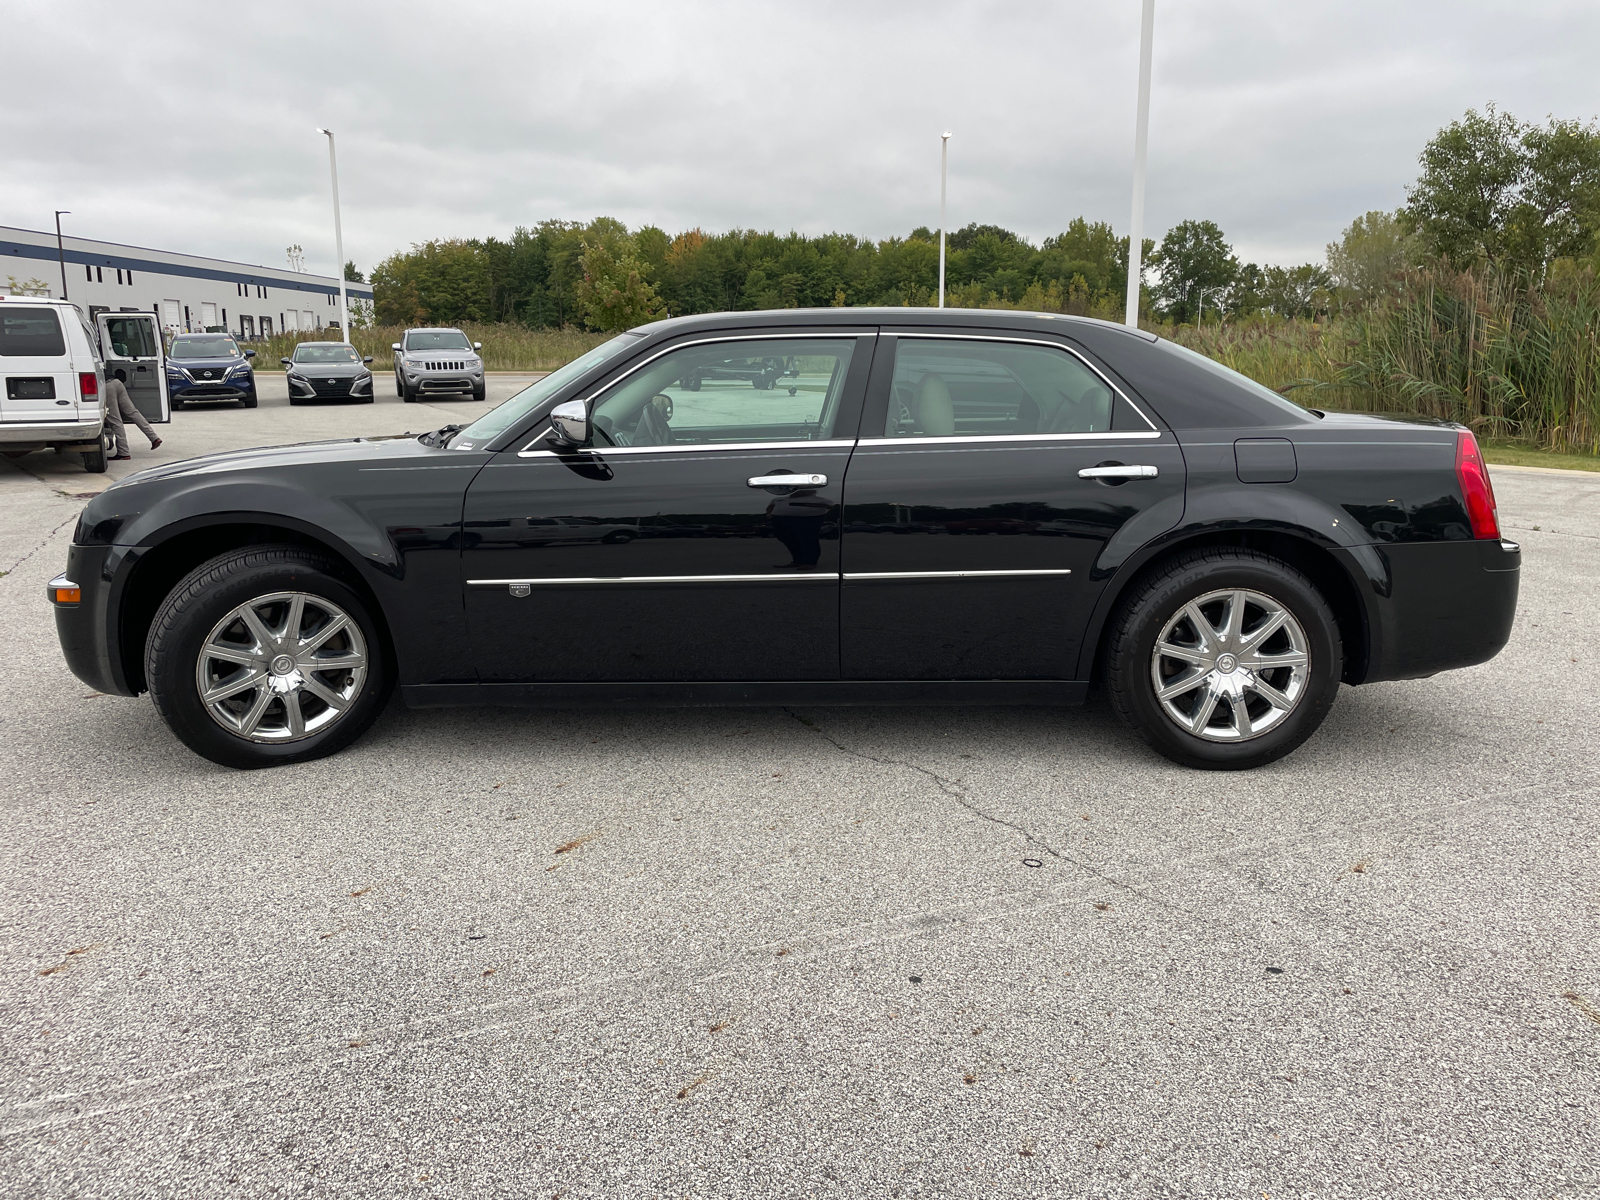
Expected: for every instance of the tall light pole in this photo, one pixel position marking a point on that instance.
(61, 255)
(338, 237)
(1141, 139)
(944, 171)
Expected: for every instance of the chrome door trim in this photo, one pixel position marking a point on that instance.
(591, 580)
(685, 447)
(851, 575)
(980, 337)
(710, 341)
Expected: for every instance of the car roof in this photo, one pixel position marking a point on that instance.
(434, 329)
(965, 318)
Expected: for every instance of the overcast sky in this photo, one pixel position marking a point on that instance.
(190, 127)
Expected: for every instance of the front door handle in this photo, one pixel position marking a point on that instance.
(1133, 472)
(788, 480)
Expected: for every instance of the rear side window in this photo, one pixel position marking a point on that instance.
(950, 387)
(30, 333)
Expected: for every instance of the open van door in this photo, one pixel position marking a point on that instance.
(131, 346)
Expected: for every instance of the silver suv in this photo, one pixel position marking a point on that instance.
(435, 362)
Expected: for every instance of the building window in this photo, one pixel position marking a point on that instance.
(130, 278)
(99, 276)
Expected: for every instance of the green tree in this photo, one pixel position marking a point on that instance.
(613, 292)
(1372, 254)
(1196, 265)
(1493, 189)
(1294, 291)
(352, 275)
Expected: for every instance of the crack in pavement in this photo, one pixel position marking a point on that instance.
(40, 546)
(953, 790)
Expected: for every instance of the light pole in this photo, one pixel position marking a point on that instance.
(1141, 138)
(944, 171)
(61, 255)
(338, 237)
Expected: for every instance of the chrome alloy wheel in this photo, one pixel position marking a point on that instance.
(1230, 665)
(281, 667)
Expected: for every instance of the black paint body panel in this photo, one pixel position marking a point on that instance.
(1372, 502)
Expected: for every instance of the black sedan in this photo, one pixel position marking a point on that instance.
(951, 507)
(328, 371)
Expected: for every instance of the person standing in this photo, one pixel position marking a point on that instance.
(120, 408)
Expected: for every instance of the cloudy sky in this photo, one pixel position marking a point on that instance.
(191, 127)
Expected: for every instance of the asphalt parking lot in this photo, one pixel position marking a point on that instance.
(798, 953)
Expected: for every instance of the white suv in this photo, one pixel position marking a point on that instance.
(54, 395)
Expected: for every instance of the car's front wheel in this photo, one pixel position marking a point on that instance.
(1224, 659)
(249, 398)
(265, 656)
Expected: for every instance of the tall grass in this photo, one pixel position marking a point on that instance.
(506, 347)
(1514, 360)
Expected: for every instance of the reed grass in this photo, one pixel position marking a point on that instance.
(506, 347)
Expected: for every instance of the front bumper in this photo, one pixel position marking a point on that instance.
(311, 388)
(468, 379)
(227, 389)
(90, 645)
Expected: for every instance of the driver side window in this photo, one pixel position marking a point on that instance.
(727, 392)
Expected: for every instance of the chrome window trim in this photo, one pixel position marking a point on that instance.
(979, 337)
(677, 448)
(961, 439)
(852, 575)
(829, 577)
(710, 341)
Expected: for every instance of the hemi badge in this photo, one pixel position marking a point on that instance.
(520, 589)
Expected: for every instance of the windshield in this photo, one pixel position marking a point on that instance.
(447, 339)
(497, 420)
(204, 347)
(325, 354)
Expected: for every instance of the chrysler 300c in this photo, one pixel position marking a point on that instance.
(935, 507)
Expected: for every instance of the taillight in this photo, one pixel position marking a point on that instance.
(88, 385)
(1475, 487)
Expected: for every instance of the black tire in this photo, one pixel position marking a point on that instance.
(94, 461)
(480, 392)
(1160, 597)
(176, 405)
(400, 388)
(203, 598)
(249, 400)
(294, 401)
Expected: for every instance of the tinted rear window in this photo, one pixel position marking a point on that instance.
(30, 332)
(1188, 390)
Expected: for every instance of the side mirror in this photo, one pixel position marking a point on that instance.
(286, 361)
(249, 353)
(394, 345)
(477, 345)
(368, 358)
(569, 423)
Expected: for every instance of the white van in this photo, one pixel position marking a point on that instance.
(54, 376)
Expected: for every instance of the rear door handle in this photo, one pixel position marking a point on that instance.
(766, 481)
(1133, 472)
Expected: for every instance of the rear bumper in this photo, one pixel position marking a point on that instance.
(18, 435)
(88, 640)
(1436, 606)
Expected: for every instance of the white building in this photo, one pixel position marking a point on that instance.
(186, 292)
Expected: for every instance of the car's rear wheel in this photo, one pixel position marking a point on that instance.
(265, 656)
(94, 461)
(1224, 659)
